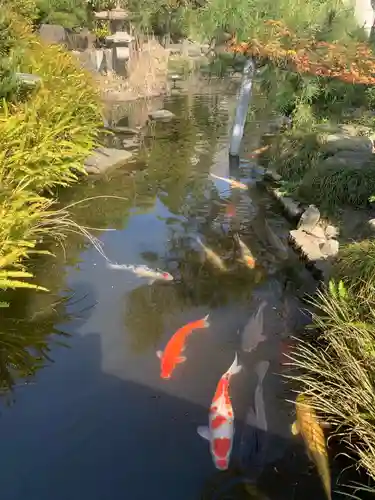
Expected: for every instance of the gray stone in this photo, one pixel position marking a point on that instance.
(309, 219)
(348, 159)
(123, 130)
(28, 79)
(272, 175)
(131, 143)
(104, 159)
(331, 232)
(330, 248)
(52, 33)
(307, 244)
(161, 114)
(291, 207)
(333, 143)
(371, 223)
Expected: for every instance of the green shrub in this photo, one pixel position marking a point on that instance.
(45, 140)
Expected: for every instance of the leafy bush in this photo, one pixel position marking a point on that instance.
(45, 140)
(68, 13)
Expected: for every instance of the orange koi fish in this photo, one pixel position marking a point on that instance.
(230, 210)
(258, 151)
(171, 356)
(309, 427)
(221, 421)
(233, 183)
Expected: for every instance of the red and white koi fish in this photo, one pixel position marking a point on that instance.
(171, 356)
(232, 182)
(258, 151)
(221, 421)
(143, 271)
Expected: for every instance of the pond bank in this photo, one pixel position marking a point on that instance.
(333, 167)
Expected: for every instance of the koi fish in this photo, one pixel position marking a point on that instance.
(246, 256)
(252, 334)
(143, 271)
(212, 256)
(258, 151)
(220, 431)
(276, 241)
(254, 438)
(230, 210)
(171, 356)
(308, 426)
(233, 183)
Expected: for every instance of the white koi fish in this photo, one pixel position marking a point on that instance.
(143, 271)
(221, 421)
(232, 182)
(254, 439)
(252, 334)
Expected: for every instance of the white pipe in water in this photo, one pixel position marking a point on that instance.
(242, 107)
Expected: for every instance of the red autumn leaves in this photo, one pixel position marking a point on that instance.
(354, 63)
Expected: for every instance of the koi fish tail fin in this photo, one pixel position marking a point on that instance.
(261, 370)
(205, 321)
(112, 265)
(235, 367)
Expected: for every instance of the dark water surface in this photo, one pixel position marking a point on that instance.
(97, 422)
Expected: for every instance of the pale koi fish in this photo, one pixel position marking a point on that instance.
(171, 356)
(309, 427)
(254, 439)
(252, 334)
(276, 241)
(143, 271)
(220, 431)
(258, 151)
(232, 182)
(212, 256)
(246, 256)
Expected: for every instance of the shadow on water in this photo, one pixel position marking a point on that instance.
(98, 422)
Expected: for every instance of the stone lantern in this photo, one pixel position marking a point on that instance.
(121, 45)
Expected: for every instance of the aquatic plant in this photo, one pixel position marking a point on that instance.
(336, 371)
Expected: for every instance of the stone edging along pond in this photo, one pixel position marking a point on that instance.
(315, 239)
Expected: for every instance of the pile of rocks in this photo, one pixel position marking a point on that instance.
(316, 243)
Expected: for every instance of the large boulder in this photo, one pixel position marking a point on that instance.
(104, 159)
(53, 34)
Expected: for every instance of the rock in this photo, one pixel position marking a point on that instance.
(348, 159)
(307, 244)
(161, 114)
(331, 232)
(291, 207)
(330, 248)
(272, 175)
(123, 130)
(309, 219)
(52, 34)
(130, 144)
(371, 223)
(316, 231)
(279, 123)
(104, 159)
(332, 143)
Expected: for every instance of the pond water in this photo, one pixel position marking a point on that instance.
(96, 421)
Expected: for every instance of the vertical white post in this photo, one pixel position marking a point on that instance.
(242, 107)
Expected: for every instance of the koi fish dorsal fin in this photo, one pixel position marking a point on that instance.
(204, 432)
(181, 359)
(295, 428)
(159, 354)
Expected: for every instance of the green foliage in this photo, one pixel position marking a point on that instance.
(67, 13)
(51, 133)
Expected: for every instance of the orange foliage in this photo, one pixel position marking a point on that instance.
(353, 63)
